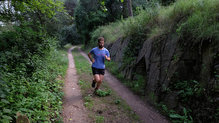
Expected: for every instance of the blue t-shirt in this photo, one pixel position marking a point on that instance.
(99, 56)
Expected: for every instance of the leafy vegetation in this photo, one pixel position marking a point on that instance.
(102, 93)
(192, 95)
(123, 28)
(68, 34)
(176, 118)
(99, 119)
(36, 93)
(31, 66)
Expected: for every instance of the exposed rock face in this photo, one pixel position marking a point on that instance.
(166, 59)
(117, 49)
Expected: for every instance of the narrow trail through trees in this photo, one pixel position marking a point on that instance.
(73, 108)
(147, 113)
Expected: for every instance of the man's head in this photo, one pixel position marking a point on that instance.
(100, 42)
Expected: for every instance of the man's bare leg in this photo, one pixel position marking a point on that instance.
(101, 77)
(98, 78)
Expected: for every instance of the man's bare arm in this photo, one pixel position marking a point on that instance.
(90, 57)
(107, 58)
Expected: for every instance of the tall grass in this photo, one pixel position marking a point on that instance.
(123, 28)
(196, 18)
(203, 24)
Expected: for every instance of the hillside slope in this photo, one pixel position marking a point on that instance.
(176, 51)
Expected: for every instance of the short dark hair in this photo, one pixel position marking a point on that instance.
(100, 39)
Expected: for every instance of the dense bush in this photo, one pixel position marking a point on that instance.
(68, 34)
(90, 14)
(29, 68)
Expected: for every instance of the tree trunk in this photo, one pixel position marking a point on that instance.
(127, 8)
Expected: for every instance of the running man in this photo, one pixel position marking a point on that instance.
(98, 67)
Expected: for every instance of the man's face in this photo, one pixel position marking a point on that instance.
(101, 44)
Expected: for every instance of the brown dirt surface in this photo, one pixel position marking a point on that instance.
(105, 106)
(73, 108)
(146, 113)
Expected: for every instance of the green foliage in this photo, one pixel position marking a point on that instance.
(46, 7)
(113, 67)
(82, 66)
(193, 20)
(70, 6)
(176, 118)
(31, 68)
(55, 25)
(102, 93)
(167, 2)
(152, 97)
(192, 94)
(30, 65)
(113, 10)
(68, 34)
(133, 48)
(38, 96)
(88, 102)
(139, 5)
(99, 119)
(117, 101)
(188, 89)
(202, 24)
(87, 17)
(124, 28)
(88, 105)
(19, 10)
(90, 14)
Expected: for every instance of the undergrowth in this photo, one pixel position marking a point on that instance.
(31, 77)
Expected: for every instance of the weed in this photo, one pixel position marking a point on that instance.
(117, 101)
(186, 118)
(176, 118)
(89, 105)
(102, 93)
(87, 99)
(81, 82)
(99, 119)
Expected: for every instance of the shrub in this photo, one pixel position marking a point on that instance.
(29, 67)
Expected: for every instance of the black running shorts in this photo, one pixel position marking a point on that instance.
(98, 71)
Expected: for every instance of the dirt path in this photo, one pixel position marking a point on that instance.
(73, 108)
(146, 112)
